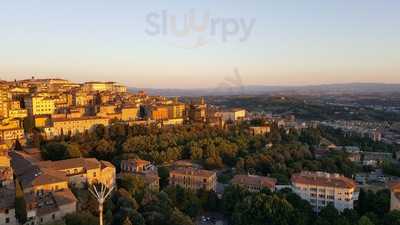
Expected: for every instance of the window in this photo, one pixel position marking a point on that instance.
(7, 220)
(53, 216)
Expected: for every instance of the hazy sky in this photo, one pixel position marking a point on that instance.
(135, 43)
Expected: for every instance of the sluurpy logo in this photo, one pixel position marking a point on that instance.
(231, 84)
(193, 30)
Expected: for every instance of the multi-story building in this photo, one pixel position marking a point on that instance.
(46, 184)
(38, 105)
(50, 206)
(193, 179)
(157, 112)
(260, 130)
(321, 189)
(394, 195)
(198, 112)
(4, 102)
(129, 113)
(17, 113)
(176, 110)
(82, 98)
(103, 86)
(7, 206)
(135, 166)
(72, 126)
(233, 115)
(119, 88)
(10, 130)
(254, 183)
(83, 171)
(7, 189)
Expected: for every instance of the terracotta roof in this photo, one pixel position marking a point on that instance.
(64, 197)
(254, 180)
(77, 119)
(87, 163)
(7, 197)
(135, 162)
(105, 164)
(48, 176)
(50, 202)
(393, 185)
(323, 179)
(193, 172)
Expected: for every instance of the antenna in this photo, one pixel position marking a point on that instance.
(101, 196)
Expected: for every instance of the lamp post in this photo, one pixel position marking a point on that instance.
(101, 196)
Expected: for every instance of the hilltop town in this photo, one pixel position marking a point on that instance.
(184, 161)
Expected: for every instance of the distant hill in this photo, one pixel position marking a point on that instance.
(350, 88)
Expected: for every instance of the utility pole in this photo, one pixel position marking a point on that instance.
(101, 196)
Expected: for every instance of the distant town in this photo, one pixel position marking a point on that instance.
(193, 160)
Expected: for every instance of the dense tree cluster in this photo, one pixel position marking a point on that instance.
(286, 208)
(214, 148)
(339, 137)
(278, 154)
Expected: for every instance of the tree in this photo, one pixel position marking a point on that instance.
(163, 173)
(196, 153)
(260, 209)
(74, 150)
(127, 221)
(329, 213)
(104, 150)
(133, 184)
(364, 221)
(18, 146)
(55, 151)
(20, 204)
(392, 218)
(81, 218)
(178, 218)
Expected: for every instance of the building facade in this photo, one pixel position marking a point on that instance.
(254, 183)
(193, 179)
(321, 189)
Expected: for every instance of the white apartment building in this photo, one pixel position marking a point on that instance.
(394, 195)
(232, 115)
(321, 189)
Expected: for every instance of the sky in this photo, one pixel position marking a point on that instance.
(196, 44)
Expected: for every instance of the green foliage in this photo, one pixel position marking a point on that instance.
(391, 169)
(127, 221)
(392, 218)
(184, 200)
(133, 184)
(163, 173)
(377, 203)
(364, 220)
(260, 209)
(18, 146)
(178, 218)
(104, 150)
(74, 150)
(55, 151)
(338, 137)
(81, 218)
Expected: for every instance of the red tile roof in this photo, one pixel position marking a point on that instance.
(323, 179)
(193, 172)
(254, 181)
